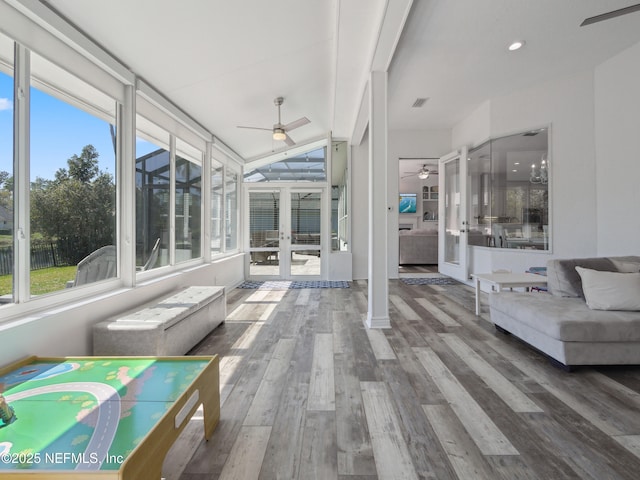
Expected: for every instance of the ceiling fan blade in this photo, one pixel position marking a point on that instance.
(296, 123)
(256, 128)
(289, 141)
(612, 14)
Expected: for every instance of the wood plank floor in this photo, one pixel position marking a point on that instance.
(309, 393)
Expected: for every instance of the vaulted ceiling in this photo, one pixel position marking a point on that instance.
(224, 62)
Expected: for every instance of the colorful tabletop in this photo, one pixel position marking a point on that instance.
(92, 413)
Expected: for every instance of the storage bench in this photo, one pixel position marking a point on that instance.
(173, 326)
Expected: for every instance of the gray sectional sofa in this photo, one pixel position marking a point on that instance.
(561, 324)
(419, 247)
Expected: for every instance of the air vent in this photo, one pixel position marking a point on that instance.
(419, 102)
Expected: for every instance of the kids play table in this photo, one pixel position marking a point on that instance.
(100, 417)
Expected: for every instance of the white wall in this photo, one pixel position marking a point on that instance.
(617, 123)
(568, 105)
(67, 331)
(360, 208)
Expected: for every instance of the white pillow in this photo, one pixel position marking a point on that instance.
(610, 290)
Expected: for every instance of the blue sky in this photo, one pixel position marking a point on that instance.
(58, 131)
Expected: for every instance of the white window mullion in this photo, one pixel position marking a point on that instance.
(21, 142)
(172, 200)
(206, 205)
(126, 187)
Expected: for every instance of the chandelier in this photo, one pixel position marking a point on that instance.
(540, 174)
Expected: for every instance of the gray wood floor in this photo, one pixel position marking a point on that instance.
(308, 392)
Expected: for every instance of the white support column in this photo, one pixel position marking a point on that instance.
(126, 124)
(21, 205)
(378, 302)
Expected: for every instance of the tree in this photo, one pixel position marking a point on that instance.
(6, 190)
(77, 208)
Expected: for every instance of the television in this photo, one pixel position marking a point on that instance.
(407, 203)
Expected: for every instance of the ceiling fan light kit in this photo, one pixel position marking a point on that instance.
(279, 131)
(278, 134)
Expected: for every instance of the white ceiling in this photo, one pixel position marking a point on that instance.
(224, 62)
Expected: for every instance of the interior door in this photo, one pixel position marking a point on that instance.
(452, 241)
(285, 233)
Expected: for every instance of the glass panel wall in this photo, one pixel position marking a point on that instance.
(188, 219)
(217, 191)
(153, 169)
(73, 181)
(509, 192)
(6, 170)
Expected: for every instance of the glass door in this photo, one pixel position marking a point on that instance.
(285, 234)
(305, 220)
(452, 241)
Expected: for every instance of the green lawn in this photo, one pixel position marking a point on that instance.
(43, 281)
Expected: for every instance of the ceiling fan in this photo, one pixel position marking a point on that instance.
(280, 131)
(422, 174)
(612, 14)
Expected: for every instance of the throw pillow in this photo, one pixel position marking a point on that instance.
(626, 267)
(610, 290)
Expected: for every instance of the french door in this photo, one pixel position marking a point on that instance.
(285, 233)
(452, 241)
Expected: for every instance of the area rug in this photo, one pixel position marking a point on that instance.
(284, 284)
(430, 281)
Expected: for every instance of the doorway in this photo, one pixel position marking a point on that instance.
(285, 233)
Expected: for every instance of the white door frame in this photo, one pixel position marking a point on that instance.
(456, 269)
(285, 245)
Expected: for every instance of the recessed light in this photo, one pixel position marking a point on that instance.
(514, 170)
(516, 45)
(516, 163)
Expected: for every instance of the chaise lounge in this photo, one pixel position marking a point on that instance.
(562, 325)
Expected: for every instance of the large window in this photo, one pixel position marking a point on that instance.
(217, 190)
(188, 202)
(73, 186)
(6, 170)
(509, 192)
(231, 210)
(153, 170)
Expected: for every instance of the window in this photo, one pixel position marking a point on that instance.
(217, 186)
(153, 169)
(73, 181)
(509, 192)
(306, 167)
(231, 210)
(339, 190)
(6, 170)
(188, 226)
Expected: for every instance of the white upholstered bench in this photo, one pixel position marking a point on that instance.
(173, 326)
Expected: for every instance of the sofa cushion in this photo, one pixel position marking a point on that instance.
(563, 279)
(626, 266)
(610, 290)
(567, 319)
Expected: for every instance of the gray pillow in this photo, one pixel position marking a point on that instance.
(563, 279)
